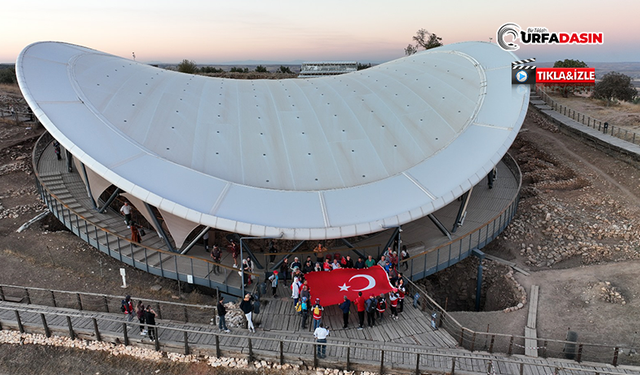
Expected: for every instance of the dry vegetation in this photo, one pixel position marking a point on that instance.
(623, 114)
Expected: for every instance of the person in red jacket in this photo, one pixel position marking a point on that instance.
(360, 306)
(316, 310)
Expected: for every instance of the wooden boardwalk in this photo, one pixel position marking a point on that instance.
(406, 343)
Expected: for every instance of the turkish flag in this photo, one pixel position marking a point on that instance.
(332, 286)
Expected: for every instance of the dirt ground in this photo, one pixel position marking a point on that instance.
(577, 228)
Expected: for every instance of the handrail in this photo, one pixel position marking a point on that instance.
(457, 330)
(36, 160)
(556, 106)
(488, 360)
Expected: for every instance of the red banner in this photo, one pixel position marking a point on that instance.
(566, 76)
(332, 286)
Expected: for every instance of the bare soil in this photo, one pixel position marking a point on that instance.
(576, 229)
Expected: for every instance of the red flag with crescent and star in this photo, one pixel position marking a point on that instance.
(332, 286)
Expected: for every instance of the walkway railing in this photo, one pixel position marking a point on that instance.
(515, 344)
(167, 264)
(347, 356)
(433, 260)
(107, 303)
(612, 130)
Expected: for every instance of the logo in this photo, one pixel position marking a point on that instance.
(522, 74)
(542, 35)
(527, 74)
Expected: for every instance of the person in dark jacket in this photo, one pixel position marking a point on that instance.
(222, 311)
(140, 313)
(247, 308)
(150, 318)
(345, 306)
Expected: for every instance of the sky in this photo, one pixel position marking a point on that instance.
(218, 32)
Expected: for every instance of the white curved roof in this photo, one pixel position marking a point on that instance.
(312, 158)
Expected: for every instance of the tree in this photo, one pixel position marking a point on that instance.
(211, 69)
(423, 39)
(568, 63)
(615, 86)
(261, 69)
(239, 70)
(8, 76)
(284, 69)
(188, 66)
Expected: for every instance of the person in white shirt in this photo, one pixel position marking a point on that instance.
(126, 211)
(321, 334)
(295, 290)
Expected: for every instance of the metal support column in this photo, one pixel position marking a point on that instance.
(69, 160)
(350, 246)
(480, 256)
(295, 248)
(88, 186)
(439, 225)
(241, 256)
(159, 228)
(109, 201)
(462, 212)
(195, 240)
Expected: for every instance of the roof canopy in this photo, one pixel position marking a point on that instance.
(312, 158)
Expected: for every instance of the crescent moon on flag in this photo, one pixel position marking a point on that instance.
(372, 282)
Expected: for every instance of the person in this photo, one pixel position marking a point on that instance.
(370, 306)
(491, 177)
(335, 265)
(295, 290)
(284, 270)
(381, 306)
(401, 295)
(370, 262)
(127, 308)
(321, 334)
(246, 277)
(393, 303)
(383, 263)
(150, 318)
(360, 263)
(141, 319)
(205, 241)
(274, 282)
(247, 308)
(317, 310)
(308, 267)
(348, 263)
(327, 266)
(404, 255)
(126, 211)
(304, 292)
(235, 252)
(222, 312)
(295, 263)
(216, 255)
(56, 149)
(135, 233)
(317, 267)
(318, 250)
(273, 250)
(304, 311)
(360, 306)
(345, 306)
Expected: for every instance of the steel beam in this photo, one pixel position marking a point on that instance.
(159, 228)
(462, 211)
(439, 225)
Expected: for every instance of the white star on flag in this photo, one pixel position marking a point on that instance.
(344, 287)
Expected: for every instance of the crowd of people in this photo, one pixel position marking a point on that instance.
(145, 314)
(374, 307)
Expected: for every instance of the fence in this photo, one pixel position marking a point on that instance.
(515, 344)
(612, 130)
(84, 301)
(347, 356)
(159, 262)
